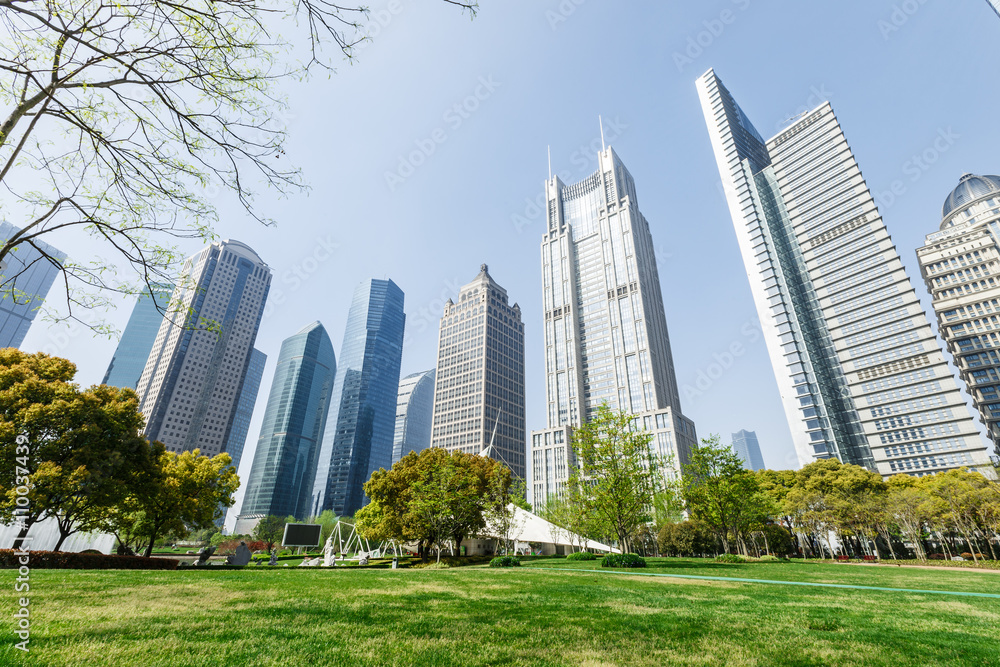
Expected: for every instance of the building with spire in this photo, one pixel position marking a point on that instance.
(191, 384)
(479, 388)
(861, 376)
(960, 264)
(359, 430)
(606, 340)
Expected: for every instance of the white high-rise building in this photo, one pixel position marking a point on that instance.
(861, 375)
(961, 267)
(606, 340)
(479, 387)
(189, 388)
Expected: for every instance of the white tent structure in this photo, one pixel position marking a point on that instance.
(527, 529)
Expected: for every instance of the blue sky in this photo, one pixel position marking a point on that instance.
(408, 186)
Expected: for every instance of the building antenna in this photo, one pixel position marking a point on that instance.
(549, 148)
(601, 121)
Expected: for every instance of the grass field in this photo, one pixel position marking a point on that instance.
(540, 614)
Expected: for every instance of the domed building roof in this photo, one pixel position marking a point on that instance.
(970, 188)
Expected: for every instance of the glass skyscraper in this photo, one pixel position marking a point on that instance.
(414, 411)
(284, 465)
(25, 278)
(995, 4)
(746, 446)
(606, 340)
(961, 268)
(359, 430)
(861, 375)
(479, 390)
(191, 384)
(137, 340)
(244, 407)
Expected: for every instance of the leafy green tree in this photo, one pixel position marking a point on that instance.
(617, 474)
(269, 529)
(81, 451)
(158, 106)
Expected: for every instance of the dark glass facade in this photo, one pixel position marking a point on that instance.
(244, 406)
(284, 465)
(137, 340)
(359, 430)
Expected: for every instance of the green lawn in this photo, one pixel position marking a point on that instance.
(540, 614)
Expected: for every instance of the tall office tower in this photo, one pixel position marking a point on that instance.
(995, 4)
(26, 276)
(746, 446)
(861, 375)
(192, 380)
(244, 407)
(358, 437)
(137, 340)
(960, 264)
(606, 340)
(414, 411)
(284, 465)
(479, 390)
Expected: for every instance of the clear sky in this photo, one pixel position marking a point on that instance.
(527, 74)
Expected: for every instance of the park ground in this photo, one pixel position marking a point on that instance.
(548, 612)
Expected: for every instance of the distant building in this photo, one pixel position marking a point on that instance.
(359, 430)
(26, 276)
(861, 375)
(190, 387)
(605, 327)
(137, 340)
(479, 389)
(746, 446)
(284, 465)
(961, 268)
(414, 411)
(244, 406)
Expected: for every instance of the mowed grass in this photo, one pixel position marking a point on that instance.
(540, 614)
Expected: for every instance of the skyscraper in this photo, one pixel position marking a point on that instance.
(606, 340)
(861, 375)
(244, 406)
(137, 340)
(414, 411)
(26, 276)
(995, 4)
(284, 465)
(746, 446)
(193, 377)
(961, 267)
(479, 390)
(359, 430)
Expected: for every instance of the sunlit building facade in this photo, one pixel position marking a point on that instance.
(138, 337)
(414, 412)
(748, 449)
(961, 268)
(861, 375)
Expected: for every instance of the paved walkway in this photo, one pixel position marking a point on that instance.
(767, 581)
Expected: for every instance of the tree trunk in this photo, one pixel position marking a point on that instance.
(23, 533)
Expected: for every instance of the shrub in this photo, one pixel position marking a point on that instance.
(966, 555)
(623, 560)
(730, 558)
(581, 555)
(937, 557)
(506, 561)
(769, 558)
(58, 560)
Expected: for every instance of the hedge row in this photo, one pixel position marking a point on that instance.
(58, 560)
(506, 561)
(581, 555)
(623, 560)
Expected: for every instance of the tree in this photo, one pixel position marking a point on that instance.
(81, 453)
(187, 491)
(123, 119)
(502, 497)
(617, 473)
(724, 496)
(270, 529)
